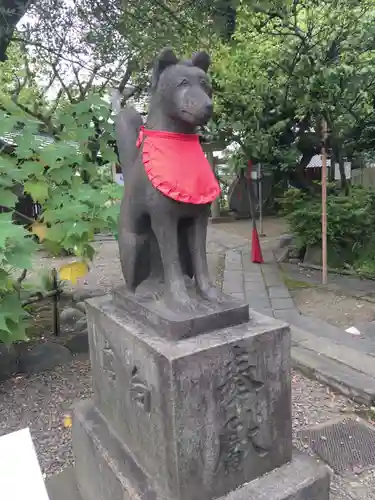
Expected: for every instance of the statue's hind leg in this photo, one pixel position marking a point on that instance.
(132, 250)
(134, 247)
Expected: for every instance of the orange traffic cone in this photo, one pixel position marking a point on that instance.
(256, 251)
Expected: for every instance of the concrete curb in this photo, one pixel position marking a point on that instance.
(355, 385)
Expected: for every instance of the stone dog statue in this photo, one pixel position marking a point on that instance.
(168, 184)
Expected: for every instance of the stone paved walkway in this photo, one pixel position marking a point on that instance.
(260, 285)
(328, 353)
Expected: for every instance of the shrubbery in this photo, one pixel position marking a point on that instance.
(350, 224)
(53, 175)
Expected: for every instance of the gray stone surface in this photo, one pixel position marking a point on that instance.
(258, 304)
(282, 304)
(330, 355)
(350, 357)
(71, 315)
(81, 295)
(81, 324)
(44, 357)
(78, 342)
(203, 318)
(279, 292)
(256, 290)
(284, 314)
(8, 361)
(63, 486)
(285, 240)
(364, 343)
(81, 306)
(271, 279)
(302, 479)
(356, 385)
(267, 311)
(313, 255)
(200, 416)
(282, 254)
(233, 260)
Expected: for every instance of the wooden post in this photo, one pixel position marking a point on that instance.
(324, 204)
(215, 205)
(260, 199)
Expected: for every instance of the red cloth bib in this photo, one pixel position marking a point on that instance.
(177, 167)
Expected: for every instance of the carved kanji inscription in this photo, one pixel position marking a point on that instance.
(139, 390)
(237, 395)
(108, 363)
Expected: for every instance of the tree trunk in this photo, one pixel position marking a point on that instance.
(340, 160)
(299, 173)
(11, 12)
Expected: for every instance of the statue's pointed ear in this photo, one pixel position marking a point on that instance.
(201, 60)
(165, 59)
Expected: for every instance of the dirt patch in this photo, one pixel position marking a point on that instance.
(334, 308)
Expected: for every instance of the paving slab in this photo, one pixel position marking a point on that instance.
(271, 280)
(233, 275)
(258, 304)
(279, 292)
(286, 314)
(259, 293)
(282, 304)
(267, 311)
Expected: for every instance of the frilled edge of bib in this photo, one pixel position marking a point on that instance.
(165, 187)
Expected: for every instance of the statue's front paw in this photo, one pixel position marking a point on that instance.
(211, 293)
(180, 302)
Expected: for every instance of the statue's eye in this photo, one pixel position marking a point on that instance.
(184, 82)
(206, 87)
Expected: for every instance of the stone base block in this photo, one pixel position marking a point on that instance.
(201, 416)
(176, 325)
(106, 470)
(301, 479)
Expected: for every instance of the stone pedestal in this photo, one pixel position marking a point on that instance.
(204, 417)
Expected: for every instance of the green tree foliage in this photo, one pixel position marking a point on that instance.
(18, 81)
(288, 67)
(51, 173)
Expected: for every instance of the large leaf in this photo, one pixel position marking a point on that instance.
(39, 229)
(38, 190)
(21, 256)
(33, 168)
(9, 231)
(74, 271)
(7, 198)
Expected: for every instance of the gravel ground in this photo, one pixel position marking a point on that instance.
(42, 400)
(105, 272)
(332, 307)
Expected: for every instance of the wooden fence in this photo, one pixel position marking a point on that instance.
(364, 177)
